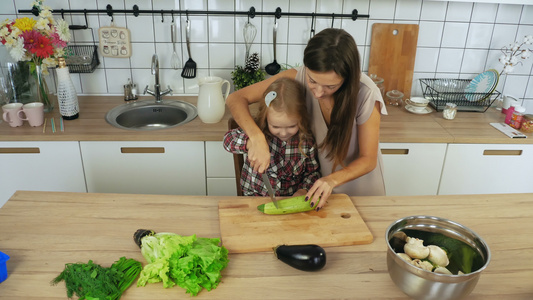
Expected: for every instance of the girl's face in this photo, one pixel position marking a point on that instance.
(281, 125)
(323, 84)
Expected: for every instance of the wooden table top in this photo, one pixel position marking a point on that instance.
(399, 126)
(42, 231)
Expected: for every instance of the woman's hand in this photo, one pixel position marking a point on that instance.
(258, 153)
(320, 191)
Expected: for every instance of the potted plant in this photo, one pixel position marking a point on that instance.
(249, 74)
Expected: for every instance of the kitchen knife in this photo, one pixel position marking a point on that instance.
(270, 190)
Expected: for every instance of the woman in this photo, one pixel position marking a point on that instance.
(344, 107)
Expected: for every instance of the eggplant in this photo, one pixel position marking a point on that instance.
(302, 257)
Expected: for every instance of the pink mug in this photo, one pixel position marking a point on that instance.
(10, 114)
(33, 113)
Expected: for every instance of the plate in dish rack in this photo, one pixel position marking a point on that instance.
(484, 84)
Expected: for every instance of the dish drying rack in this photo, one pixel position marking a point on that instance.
(440, 91)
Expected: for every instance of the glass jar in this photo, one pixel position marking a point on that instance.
(450, 111)
(379, 82)
(516, 118)
(394, 98)
(527, 123)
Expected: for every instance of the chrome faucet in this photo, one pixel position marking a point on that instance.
(157, 93)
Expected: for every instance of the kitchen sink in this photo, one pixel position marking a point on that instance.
(151, 115)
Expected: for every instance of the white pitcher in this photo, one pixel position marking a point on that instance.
(211, 101)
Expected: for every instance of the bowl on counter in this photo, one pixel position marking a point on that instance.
(455, 238)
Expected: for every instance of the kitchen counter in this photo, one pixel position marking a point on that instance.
(42, 231)
(399, 126)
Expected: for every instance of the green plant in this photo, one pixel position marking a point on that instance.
(249, 74)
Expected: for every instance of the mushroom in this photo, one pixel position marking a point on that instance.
(438, 256)
(415, 248)
(423, 264)
(442, 270)
(405, 257)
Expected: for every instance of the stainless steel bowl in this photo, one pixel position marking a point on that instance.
(421, 284)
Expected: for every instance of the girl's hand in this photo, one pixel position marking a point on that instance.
(258, 154)
(321, 190)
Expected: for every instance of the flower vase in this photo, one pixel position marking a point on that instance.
(42, 93)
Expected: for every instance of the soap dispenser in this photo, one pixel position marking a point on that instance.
(66, 92)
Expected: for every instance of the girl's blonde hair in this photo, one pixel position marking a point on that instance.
(290, 98)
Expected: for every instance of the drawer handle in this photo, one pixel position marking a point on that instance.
(142, 149)
(502, 152)
(395, 151)
(20, 150)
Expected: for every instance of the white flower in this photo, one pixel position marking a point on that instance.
(515, 46)
(17, 51)
(508, 69)
(45, 13)
(528, 39)
(504, 59)
(62, 30)
(42, 24)
(525, 54)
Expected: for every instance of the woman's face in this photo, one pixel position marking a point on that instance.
(323, 84)
(282, 125)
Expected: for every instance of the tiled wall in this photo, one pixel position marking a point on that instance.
(456, 39)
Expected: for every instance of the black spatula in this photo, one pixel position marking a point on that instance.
(189, 70)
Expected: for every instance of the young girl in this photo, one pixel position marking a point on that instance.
(283, 118)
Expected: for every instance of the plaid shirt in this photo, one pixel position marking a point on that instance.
(289, 169)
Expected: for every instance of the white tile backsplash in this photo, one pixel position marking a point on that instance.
(454, 35)
(433, 10)
(450, 60)
(430, 34)
(408, 9)
(479, 35)
(456, 39)
(459, 11)
(484, 12)
(509, 13)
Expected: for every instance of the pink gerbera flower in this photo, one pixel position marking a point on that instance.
(30, 39)
(57, 41)
(43, 47)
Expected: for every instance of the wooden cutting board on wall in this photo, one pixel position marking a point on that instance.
(245, 229)
(392, 55)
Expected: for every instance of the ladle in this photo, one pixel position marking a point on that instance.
(273, 68)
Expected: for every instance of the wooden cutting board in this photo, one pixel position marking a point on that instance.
(245, 229)
(392, 55)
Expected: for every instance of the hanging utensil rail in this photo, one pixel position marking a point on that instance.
(251, 12)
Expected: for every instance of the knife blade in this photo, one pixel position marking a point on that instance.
(270, 190)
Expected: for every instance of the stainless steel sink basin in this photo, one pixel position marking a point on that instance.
(151, 115)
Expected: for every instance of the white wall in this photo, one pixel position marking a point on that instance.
(456, 39)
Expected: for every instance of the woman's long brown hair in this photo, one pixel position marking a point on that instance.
(335, 50)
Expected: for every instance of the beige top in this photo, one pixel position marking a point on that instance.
(371, 184)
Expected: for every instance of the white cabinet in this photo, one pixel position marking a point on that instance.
(220, 170)
(487, 169)
(40, 166)
(174, 168)
(413, 168)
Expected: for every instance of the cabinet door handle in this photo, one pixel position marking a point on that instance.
(142, 149)
(395, 151)
(502, 152)
(22, 150)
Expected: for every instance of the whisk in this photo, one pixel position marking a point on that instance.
(249, 31)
